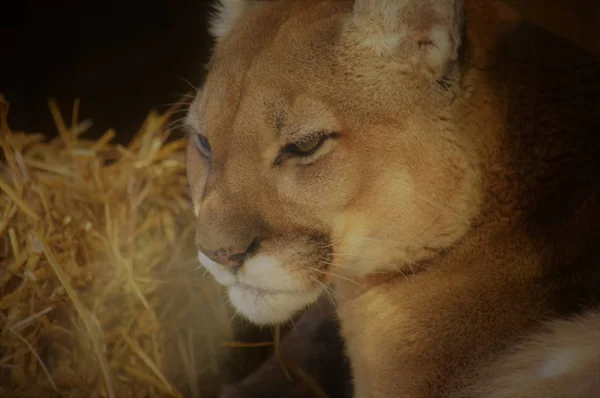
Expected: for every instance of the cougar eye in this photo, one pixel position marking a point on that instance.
(304, 148)
(308, 146)
(201, 143)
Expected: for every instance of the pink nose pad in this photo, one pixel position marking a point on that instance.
(233, 262)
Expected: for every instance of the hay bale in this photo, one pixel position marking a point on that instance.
(97, 292)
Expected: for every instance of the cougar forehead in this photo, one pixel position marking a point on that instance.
(388, 155)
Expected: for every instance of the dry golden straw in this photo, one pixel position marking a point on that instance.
(98, 291)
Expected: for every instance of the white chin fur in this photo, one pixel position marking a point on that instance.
(266, 308)
(265, 272)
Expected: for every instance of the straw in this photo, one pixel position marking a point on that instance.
(94, 243)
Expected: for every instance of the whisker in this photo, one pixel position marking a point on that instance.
(177, 120)
(412, 265)
(399, 270)
(328, 290)
(188, 82)
(188, 94)
(294, 325)
(170, 126)
(235, 315)
(175, 103)
(182, 110)
(327, 246)
(336, 265)
(354, 269)
(336, 276)
(320, 283)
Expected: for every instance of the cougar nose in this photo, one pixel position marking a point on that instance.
(231, 257)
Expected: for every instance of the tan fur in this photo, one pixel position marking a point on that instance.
(456, 212)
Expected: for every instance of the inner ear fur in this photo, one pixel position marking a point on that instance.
(427, 34)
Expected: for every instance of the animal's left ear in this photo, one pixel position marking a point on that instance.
(425, 33)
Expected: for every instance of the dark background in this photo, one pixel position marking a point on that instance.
(121, 58)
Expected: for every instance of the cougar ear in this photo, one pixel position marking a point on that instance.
(426, 33)
(225, 15)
